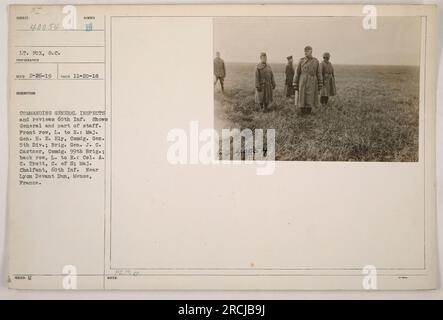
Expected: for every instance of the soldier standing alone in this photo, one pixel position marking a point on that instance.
(219, 71)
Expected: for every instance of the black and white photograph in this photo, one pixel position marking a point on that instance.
(229, 151)
(332, 88)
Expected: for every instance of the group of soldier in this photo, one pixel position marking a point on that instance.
(309, 81)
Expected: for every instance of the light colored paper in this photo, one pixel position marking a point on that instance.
(138, 221)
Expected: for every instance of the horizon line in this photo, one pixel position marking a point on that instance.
(344, 64)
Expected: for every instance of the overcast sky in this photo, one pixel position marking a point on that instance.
(396, 41)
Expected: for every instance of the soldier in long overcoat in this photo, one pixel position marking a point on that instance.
(327, 72)
(289, 77)
(264, 83)
(308, 81)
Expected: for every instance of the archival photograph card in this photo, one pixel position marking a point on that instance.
(222, 147)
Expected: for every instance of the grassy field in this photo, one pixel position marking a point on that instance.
(374, 116)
